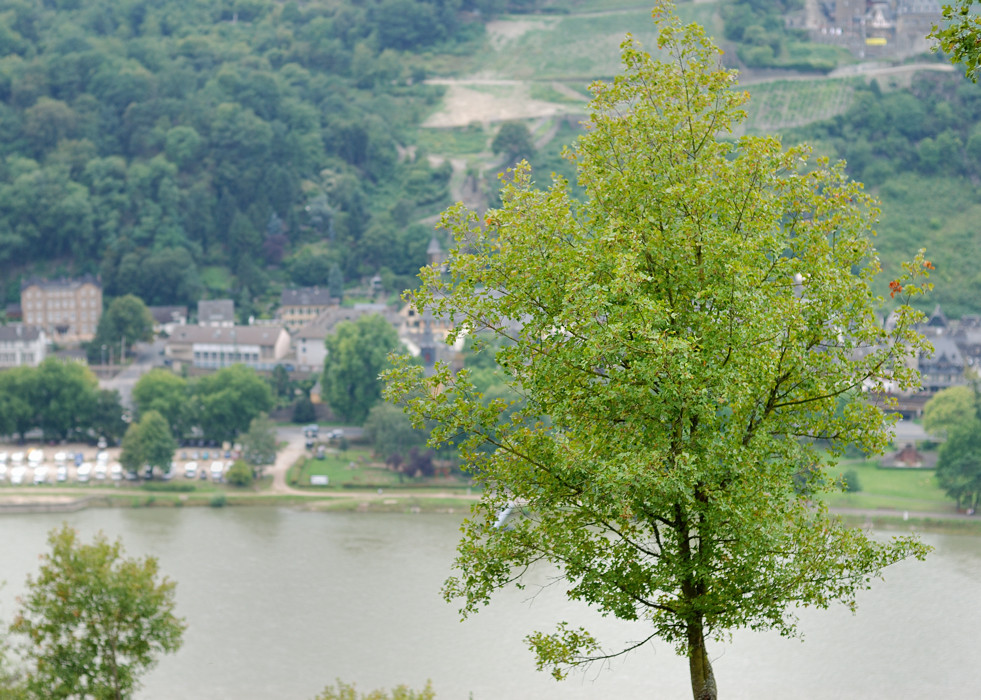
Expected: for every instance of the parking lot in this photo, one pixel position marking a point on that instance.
(82, 464)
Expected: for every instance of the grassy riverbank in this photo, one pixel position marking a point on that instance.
(889, 499)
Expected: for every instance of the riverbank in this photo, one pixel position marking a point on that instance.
(417, 501)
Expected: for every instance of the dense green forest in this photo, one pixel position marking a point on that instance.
(187, 148)
(179, 144)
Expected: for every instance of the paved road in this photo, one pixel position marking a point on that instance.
(295, 448)
(147, 357)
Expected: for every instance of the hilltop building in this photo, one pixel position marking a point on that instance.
(875, 28)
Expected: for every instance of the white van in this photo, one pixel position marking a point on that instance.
(217, 469)
(190, 470)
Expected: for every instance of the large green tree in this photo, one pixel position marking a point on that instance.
(107, 416)
(684, 336)
(955, 413)
(229, 399)
(950, 409)
(17, 413)
(513, 140)
(93, 620)
(64, 396)
(148, 442)
(126, 321)
(357, 352)
(959, 464)
(390, 432)
(167, 393)
(259, 444)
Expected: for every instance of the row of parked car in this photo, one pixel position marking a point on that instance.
(24, 468)
(216, 471)
(43, 474)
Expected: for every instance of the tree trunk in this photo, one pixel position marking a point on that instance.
(702, 678)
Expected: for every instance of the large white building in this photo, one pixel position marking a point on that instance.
(214, 347)
(22, 346)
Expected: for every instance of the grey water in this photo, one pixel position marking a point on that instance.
(280, 603)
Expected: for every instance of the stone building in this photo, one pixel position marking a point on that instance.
(67, 310)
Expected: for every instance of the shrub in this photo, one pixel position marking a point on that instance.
(218, 501)
(343, 691)
(240, 474)
(167, 487)
(851, 482)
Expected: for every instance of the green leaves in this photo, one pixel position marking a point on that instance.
(94, 620)
(958, 37)
(148, 442)
(683, 339)
(357, 352)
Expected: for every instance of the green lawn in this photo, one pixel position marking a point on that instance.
(895, 489)
(216, 278)
(350, 468)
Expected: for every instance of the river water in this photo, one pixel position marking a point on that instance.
(279, 603)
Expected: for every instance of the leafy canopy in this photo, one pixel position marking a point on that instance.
(950, 409)
(956, 414)
(94, 620)
(684, 338)
(357, 351)
(148, 442)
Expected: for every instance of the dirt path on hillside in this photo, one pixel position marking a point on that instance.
(464, 103)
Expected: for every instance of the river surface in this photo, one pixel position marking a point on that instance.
(280, 603)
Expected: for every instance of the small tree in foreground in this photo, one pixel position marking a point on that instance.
(94, 620)
(687, 334)
(345, 691)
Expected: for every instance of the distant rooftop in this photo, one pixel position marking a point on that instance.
(216, 311)
(60, 283)
(306, 296)
(17, 331)
(225, 335)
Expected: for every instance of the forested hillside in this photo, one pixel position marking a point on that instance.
(919, 151)
(175, 144)
(183, 148)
